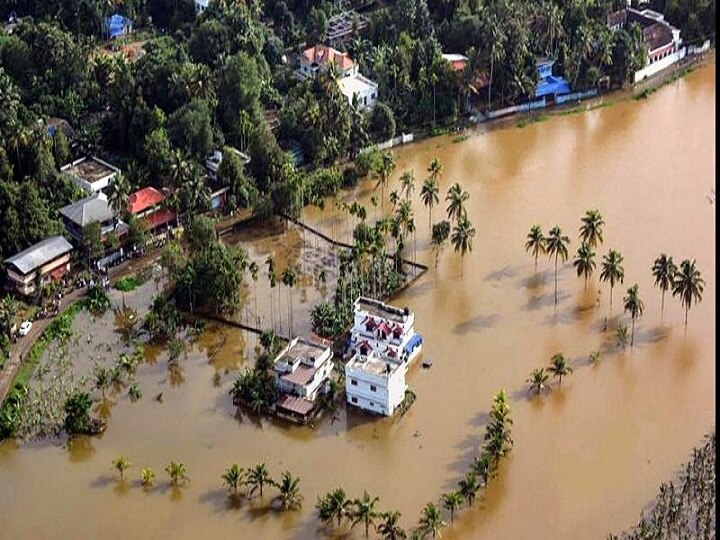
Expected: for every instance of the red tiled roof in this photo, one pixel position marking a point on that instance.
(159, 217)
(302, 375)
(294, 404)
(144, 199)
(384, 327)
(323, 55)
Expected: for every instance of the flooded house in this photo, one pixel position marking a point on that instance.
(48, 260)
(302, 374)
(375, 384)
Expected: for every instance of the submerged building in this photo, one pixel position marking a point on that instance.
(375, 384)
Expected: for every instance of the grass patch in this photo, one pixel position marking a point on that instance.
(532, 120)
(129, 283)
(59, 328)
(461, 138)
(576, 110)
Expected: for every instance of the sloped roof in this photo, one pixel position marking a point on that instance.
(39, 254)
(87, 210)
(294, 404)
(143, 199)
(322, 55)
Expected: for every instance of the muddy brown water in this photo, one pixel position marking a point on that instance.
(588, 457)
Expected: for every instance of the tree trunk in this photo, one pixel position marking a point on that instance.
(632, 332)
(662, 304)
(556, 257)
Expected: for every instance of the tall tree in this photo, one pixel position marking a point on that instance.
(233, 478)
(429, 193)
(633, 305)
(556, 245)
(559, 366)
(461, 238)
(456, 197)
(664, 270)
(257, 478)
(407, 184)
(535, 243)
(584, 261)
(384, 169)
(289, 496)
(612, 270)
(469, 487)
(452, 501)
(389, 528)
(431, 520)
(538, 380)
(688, 285)
(591, 228)
(364, 511)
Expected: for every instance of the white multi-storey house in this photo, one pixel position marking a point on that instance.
(302, 372)
(385, 329)
(375, 384)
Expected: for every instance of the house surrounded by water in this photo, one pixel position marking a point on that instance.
(375, 384)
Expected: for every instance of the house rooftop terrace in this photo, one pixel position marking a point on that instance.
(377, 308)
(90, 169)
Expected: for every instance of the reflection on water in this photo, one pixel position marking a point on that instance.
(588, 456)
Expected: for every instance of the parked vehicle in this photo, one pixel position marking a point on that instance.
(25, 328)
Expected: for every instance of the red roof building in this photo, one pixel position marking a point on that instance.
(146, 203)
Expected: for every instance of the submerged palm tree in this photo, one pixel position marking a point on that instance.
(384, 170)
(258, 476)
(535, 243)
(389, 528)
(591, 228)
(584, 261)
(177, 473)
(664, 270)
(121, 464)
(538, 380)
(290, 497)
(559, 367)
(688, 285)
(431, 520)
(364, 511)
(407, 183)
(334, 505)
(612, 270)
(452, 501)
(430, 196)
(633, 305)
(469, 487)
(461, 238)
(456, 197)
(556, 245)
(233, 477)
(147, 477)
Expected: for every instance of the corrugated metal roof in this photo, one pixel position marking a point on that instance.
(87, 210)
(39, 254)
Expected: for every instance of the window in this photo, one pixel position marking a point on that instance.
(354, 400)
(353, 382)
(373, 388)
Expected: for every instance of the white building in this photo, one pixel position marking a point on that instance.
(662, 41)
(385, 329)
(201, 5)
(375, 384)
(213, 162)
(92, 174)
(360, 88)
(302, 372)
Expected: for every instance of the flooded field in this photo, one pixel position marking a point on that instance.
(587, 458)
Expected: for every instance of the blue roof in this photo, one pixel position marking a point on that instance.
(117, 25)
(552, 85)
(414, 342)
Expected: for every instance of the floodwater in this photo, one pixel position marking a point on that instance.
(588, 457)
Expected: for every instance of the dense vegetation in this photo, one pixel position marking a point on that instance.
(208, 81)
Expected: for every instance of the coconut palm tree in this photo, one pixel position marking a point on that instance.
(559, 366)
(177, 473)
(407, 183)
(233, 478)
(289, 278)
(290, 497)
(435, 169)
(584, 261)
(147, 477)
(461, 239)
(257, 477)
(535, 243)
(664, 270)
(270, 263)
(121, 464)
(363, 511)
(452, 502)
(556, 245)
(254, 272)
(118, 197)
(483, 467)
(384, 169)
(591, 228)
(394, 198)
(431, 520)
(456, 198)
(389, 528)
(633, 305)
(469, 487)
(430, 196)
(612, 270)
(538, 380)
(334, 505)
(688, 285)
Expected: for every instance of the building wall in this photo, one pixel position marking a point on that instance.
(25, 284)
(658, 65)
(310, 390)
(388, 394)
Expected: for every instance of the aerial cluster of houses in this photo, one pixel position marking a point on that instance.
(50, 259)
(381, 347)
